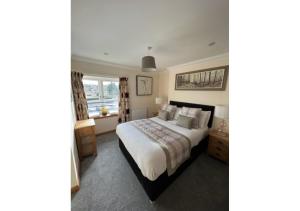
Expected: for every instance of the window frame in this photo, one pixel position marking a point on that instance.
(100, 80)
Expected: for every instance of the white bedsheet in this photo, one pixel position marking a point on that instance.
(147, 154)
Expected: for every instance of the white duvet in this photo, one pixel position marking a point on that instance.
(147, 154)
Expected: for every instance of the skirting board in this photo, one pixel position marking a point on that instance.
(109, 131)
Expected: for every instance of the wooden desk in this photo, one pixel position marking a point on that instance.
(85, 138)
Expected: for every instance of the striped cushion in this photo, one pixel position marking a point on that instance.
(163, 115)
(194, 113)
(171, 109)
(177, 113)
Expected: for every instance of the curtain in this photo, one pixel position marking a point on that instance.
(81, 106)
(124, 110)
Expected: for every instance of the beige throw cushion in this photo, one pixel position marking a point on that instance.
(162, 114)
(184, 121)
(171, 109)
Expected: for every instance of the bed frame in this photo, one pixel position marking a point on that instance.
(156, 187)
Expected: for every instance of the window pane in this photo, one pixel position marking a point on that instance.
(110, 89)
(91, 89)
(110, 98)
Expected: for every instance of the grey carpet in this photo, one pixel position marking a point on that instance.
(108, 183)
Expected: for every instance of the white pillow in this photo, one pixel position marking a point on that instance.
(204, 118)
(178, 111)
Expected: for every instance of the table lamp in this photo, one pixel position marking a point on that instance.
(158, 100)
(222, 112)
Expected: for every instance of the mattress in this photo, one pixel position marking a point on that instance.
(148, 155)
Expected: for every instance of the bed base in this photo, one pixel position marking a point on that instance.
(154, 188)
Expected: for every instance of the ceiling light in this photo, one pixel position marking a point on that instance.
(148, 62)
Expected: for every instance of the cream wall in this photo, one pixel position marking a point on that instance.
(163, 87)
(96, 69)
(74, 152)
(106, 124)
(167, 83)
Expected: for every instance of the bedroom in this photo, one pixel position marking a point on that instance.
(130, 105)
(160, 72)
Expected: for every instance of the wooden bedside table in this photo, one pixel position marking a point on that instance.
(218, 146)
(85, 138)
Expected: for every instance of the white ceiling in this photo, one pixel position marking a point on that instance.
(178, 30)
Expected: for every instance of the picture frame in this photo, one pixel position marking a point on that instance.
(144, 85)
(211, 79)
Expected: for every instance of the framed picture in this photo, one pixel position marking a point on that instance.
(143, 85)
(212, 79)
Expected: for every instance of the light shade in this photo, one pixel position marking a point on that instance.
(158, 100)
(148, 64)
(221, 111)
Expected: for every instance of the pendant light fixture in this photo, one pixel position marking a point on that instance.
(148, 62)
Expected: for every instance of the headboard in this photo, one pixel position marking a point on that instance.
(192, 105)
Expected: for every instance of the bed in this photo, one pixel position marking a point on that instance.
(148, 160)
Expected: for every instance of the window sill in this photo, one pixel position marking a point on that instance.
(100, 116)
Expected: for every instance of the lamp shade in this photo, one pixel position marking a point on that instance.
(148, 64)
(158, 100)
(221, 111)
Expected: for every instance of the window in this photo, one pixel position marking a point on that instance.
(101, 92)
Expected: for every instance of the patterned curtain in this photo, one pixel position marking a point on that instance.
(81, 107)
(124, 100)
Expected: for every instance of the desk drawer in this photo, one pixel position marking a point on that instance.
(217, 142)
(219, 150)
(87, 131)
(89, 149)
(220, 155)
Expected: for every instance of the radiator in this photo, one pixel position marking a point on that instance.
(139, 113)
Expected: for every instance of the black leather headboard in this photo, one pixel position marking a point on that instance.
(192, 105)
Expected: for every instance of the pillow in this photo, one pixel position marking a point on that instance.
(171, 109)
(178, 111)
(204, 118)
(164, 107)
(162, 114)
(184, 121)
(194, 113)
(184, 110)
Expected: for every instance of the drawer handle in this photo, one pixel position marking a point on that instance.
(218, 148)
(217, 154)
(220, 142)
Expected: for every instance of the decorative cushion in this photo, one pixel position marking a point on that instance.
(178, 111)
(171, 109)
(204, 118)
(194, 113)
(162, 114)
(184, 121)
(185, 110)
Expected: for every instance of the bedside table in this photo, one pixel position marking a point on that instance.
(85, 138)
(218, 146)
